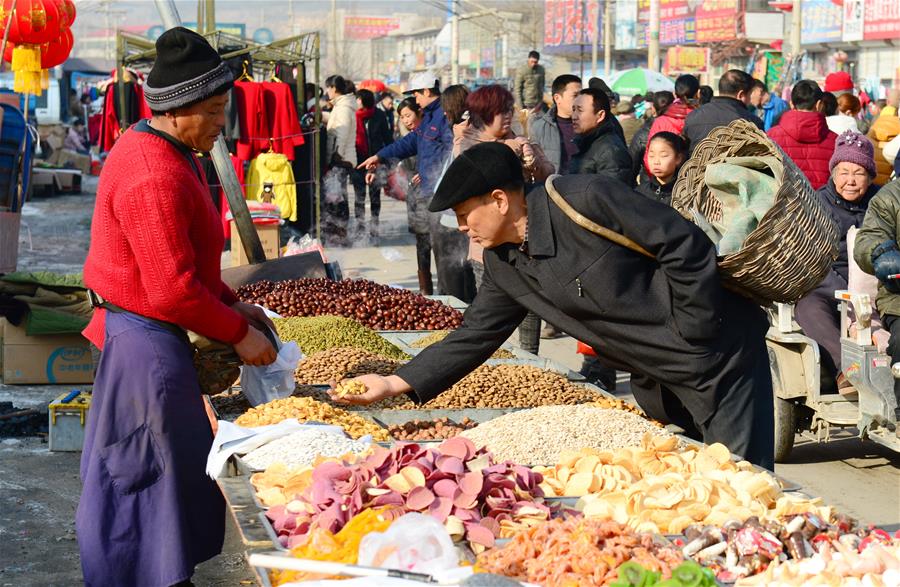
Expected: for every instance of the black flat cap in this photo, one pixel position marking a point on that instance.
(476, 172)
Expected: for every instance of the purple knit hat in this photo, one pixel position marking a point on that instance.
(853, 147)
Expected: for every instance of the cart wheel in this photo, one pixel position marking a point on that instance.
(785, 427)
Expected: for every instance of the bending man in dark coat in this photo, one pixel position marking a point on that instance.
(697, 351)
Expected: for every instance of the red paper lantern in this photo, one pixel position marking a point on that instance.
(56, 52)
(35, 22)
(66, 12)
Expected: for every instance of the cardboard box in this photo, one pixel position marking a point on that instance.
(269, 236)
(53, 359)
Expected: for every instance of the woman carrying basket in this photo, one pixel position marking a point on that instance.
(624, 274)
(148, 513)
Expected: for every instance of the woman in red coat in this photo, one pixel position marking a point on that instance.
(148, 513)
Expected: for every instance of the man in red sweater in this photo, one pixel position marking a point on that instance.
(803, 133)
(148, 513)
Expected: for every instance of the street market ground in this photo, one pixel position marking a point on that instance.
(39, 490)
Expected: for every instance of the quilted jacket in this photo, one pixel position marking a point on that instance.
(806, 139)
(883, 130)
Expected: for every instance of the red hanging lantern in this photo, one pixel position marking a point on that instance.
(35, 22)
(56, 52)
(66, 12)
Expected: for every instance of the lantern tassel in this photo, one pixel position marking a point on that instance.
(26, 58)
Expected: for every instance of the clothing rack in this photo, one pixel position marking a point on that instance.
(139, 53)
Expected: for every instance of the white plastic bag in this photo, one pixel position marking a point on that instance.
(270, 382)
(414, 542)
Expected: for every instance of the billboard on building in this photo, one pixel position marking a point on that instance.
(881, 20)
(361, 28)
(570, 24)
(626, 25)
(686, 60)
(716, 20)
(854, 11)
(821, 22)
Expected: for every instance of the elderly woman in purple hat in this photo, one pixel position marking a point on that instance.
(846, 196)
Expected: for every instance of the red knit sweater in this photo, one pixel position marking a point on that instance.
(156, 242)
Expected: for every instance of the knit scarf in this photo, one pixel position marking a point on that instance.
(362, 144)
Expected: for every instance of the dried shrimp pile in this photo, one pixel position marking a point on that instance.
(577, 551)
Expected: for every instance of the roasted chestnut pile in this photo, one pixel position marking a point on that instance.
(375, 305)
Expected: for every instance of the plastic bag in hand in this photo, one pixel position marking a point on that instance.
(414, 542)
(270, 382)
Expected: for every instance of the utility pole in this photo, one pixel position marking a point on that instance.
(454, 41)
(210, 21)
(607, 37)
(595, 38)
(796, 28)
(653, 48)
(334, 33)
(583, 28)
(291, 15)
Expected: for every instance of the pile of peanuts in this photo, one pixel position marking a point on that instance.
(306, 409)
(439, 335)
(511, 386)
(342, 363)
(437, 429)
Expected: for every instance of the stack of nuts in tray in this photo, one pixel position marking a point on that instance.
(377, 306)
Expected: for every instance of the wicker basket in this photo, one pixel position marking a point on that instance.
(792, 249)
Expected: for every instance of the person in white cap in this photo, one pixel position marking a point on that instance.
(431, 143)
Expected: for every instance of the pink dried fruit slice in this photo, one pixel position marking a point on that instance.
(445, 488)
(440, 508)
(419, 499)
(471, 483)
(478, 534)
(450, 464)
(459, 447)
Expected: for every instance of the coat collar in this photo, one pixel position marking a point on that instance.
(585, 141)
(540, 230)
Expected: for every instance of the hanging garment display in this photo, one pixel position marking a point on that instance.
(283, 123)
(272, 173)
(113, 121)
(266, 110)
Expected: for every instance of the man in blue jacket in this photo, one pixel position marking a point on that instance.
(432, 143)
(767, 106)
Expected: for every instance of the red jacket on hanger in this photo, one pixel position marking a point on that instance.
(248, 97)
(283, 124)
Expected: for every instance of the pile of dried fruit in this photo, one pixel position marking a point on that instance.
(541, 435)
(660, 488)
(687, 574)
(326, 332)
(511, 386)
(306, 409)
(278, 484)
(377, 306)
(738, 550)
(342, 363)
(575, 551)
(342, 547)
(474, 497)
(430, 339)
(231, 403)
(437, 429)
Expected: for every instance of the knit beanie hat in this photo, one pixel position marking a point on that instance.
(187, 70)
(852, 147)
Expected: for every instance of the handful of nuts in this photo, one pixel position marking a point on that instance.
(350, 387)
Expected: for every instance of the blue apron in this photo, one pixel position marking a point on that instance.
(148, 512)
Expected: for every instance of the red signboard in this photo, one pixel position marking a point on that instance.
(881, 20)
(716, 20)
(360, 28)
(569, 22)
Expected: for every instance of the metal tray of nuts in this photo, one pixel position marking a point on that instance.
(404, 339)
(452, 301)
(391, 417)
